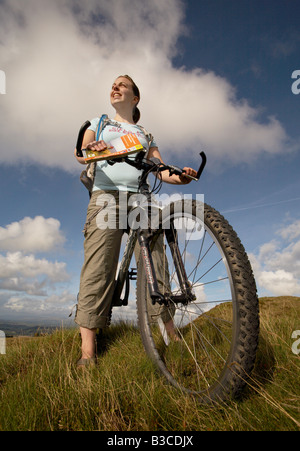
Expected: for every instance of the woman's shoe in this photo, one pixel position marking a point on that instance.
(86, 362)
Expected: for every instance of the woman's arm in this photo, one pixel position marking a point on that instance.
(165, 176)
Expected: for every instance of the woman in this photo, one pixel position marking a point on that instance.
(102, 246)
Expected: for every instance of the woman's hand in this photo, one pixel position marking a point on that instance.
(90, 144)
(173, 179)
(187, 171)
(96, 145)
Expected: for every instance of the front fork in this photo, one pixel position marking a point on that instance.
(186, 294)
(146, 256)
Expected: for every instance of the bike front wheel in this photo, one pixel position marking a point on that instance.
(204, 338)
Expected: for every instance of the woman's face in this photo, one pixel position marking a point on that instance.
(122, 92)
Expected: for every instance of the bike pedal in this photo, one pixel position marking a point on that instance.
(133, 274)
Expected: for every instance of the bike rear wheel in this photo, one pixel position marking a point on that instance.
(215, 316)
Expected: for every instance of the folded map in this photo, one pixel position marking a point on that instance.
(118, 147)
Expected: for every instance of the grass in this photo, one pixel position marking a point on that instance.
(41, 389)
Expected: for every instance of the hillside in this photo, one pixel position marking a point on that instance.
(40, 388)
(13, 330)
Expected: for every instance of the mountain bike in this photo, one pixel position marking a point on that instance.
(203, 284)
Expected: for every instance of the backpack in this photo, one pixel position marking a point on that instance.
(87, 176)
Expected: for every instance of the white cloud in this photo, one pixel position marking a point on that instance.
(277, 264)
(32, 287)
(291, 231)
(47, 307)
(21, 284)
(31, 235)
(16, 264)
(280, 282)
(30, 284)
(60, 58)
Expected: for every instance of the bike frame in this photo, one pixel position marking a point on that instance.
(143, 237)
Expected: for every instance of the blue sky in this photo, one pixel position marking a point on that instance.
(213, 75)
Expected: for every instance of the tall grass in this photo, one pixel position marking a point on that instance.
(41, 388)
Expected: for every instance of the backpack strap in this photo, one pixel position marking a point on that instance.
(87, 176)
(148, 136)
(102, 123)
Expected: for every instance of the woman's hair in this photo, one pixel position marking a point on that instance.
(136, 112)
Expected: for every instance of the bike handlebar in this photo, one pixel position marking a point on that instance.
(179, 171)
(140, 162)
(159, 167)
(81, 133)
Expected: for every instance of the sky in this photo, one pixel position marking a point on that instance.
(221, 76)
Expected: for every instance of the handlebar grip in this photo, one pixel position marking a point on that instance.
(202, 166)
(81, 133)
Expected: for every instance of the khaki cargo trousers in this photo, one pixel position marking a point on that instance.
(103, 237)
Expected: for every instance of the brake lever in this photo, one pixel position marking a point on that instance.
(174, 170)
